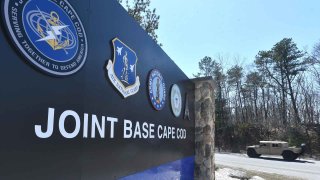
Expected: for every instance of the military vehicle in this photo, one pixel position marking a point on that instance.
(275, 148)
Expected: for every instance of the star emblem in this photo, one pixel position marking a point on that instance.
(132, 67)
(119, 50)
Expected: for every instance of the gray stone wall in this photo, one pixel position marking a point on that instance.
(204, 129)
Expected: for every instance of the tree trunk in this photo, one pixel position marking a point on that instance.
(293, 100)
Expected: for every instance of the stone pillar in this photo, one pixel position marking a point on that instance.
(204, 128)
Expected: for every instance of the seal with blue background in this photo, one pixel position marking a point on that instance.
(122, 71)
(48, 33)
(157, 89)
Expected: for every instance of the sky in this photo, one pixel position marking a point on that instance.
(233, 29)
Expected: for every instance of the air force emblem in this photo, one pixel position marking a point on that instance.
(122, 71)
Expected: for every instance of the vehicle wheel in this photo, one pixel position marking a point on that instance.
(252, 153)
(289, 155)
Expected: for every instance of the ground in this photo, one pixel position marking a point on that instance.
(272, 165)
(227, 173)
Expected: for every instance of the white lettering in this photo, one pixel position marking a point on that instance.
(62, 119)
(85, 126)
(145, 130)
(159, 135)
(165, 134)
(112, 121)
(101, 128)
(49, 131)
(173, 132)
(127, 127)
(151, 131)
(137, 130)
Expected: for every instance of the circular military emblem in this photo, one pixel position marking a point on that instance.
(176, 100)
(157, 89)
(48, 33)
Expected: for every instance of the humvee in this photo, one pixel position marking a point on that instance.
(275, 148)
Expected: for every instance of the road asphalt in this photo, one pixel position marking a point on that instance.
(301, 168)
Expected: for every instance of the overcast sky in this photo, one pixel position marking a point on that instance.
(192, 29)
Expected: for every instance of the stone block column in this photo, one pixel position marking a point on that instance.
(204, 128)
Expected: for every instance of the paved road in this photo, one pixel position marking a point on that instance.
(306, 169)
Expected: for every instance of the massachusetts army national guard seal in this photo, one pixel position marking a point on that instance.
(122, 71)
(157, 89)
(49, 33)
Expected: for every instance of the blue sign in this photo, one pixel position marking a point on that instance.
(157, 89)
(50, 37)
(182, 169)
(122, 71)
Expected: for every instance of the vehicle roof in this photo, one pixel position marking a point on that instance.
(278, 142)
